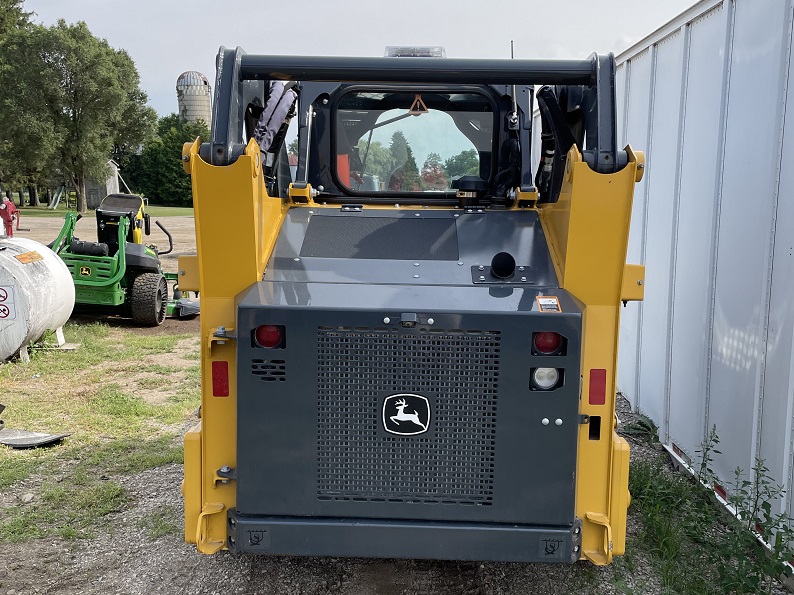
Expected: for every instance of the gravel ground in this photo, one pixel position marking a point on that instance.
(121, 558)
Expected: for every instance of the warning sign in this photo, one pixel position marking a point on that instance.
(28, 257)
(548, 303)
(7, 310)
(418, 106)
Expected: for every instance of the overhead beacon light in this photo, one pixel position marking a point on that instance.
(415, 51)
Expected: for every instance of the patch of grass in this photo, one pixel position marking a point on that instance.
(111, 400)
(157, 369)
(674, 521)
(71, 506)
(163, 211)
(162, 522)
(66, 510)
(683, 527)
(60, 212)
(132, 456)
(192, 381)
(21, 468)
(153, 381)
(138, 346)
(114, 431)
(84, 393)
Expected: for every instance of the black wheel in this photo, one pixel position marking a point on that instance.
(149, 299)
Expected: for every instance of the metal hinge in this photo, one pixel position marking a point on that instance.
(584, 420)
(225, 474)
(219, 336)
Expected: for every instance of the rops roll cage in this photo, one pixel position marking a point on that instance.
(577, 101)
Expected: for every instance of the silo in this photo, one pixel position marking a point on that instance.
(193, 93)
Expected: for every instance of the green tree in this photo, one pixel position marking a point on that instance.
(433, 176)
(81, 96)
(12, 19)
(398, 148)
(406, 177)
(377, 160)
(12, 16)
(465, 163)
(292, 149)
(157, 172)
(410, 172)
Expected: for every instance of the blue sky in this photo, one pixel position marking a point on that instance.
(165, 38)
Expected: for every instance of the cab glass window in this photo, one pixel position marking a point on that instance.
(409, 142)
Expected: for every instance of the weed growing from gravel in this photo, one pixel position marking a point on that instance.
(642, 429)
(753, 499)
(683, 527)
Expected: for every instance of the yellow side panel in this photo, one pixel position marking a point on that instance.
(191, 485)
(620, 494)
(188, 273)
(633, 289)
(587, 232)
(236, 228)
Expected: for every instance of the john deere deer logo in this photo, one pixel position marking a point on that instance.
(406, 414)
(85, 271)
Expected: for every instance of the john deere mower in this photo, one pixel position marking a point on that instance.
(119, 271)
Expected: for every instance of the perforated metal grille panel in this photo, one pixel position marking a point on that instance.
(453, 463)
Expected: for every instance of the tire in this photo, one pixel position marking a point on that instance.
(149, 299)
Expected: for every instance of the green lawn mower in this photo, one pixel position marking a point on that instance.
(119, 272)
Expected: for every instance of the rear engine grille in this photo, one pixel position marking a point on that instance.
(454, 462)
(273, 370)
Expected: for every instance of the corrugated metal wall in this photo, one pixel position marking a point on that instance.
(706, 97)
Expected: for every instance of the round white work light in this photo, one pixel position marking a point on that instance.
(545, 378)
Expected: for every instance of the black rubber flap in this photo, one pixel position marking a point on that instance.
(381, 238)
(24, 439)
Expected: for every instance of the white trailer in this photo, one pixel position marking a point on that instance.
(707, 98)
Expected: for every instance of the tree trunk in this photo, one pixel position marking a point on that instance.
(33, 194)
(82, 202)
(21, 198)
(49, 195)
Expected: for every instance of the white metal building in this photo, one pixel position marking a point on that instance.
(707, 98)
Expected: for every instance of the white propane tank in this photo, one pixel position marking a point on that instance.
(36, 293)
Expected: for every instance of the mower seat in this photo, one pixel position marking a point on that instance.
(113, 208)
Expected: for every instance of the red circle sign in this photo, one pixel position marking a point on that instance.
(4, 311)
(3, 294)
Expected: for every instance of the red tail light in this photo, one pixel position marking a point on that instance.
(269, 336)
(547, 343)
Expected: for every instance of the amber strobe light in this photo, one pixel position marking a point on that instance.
(269, 336)
(547, 342)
